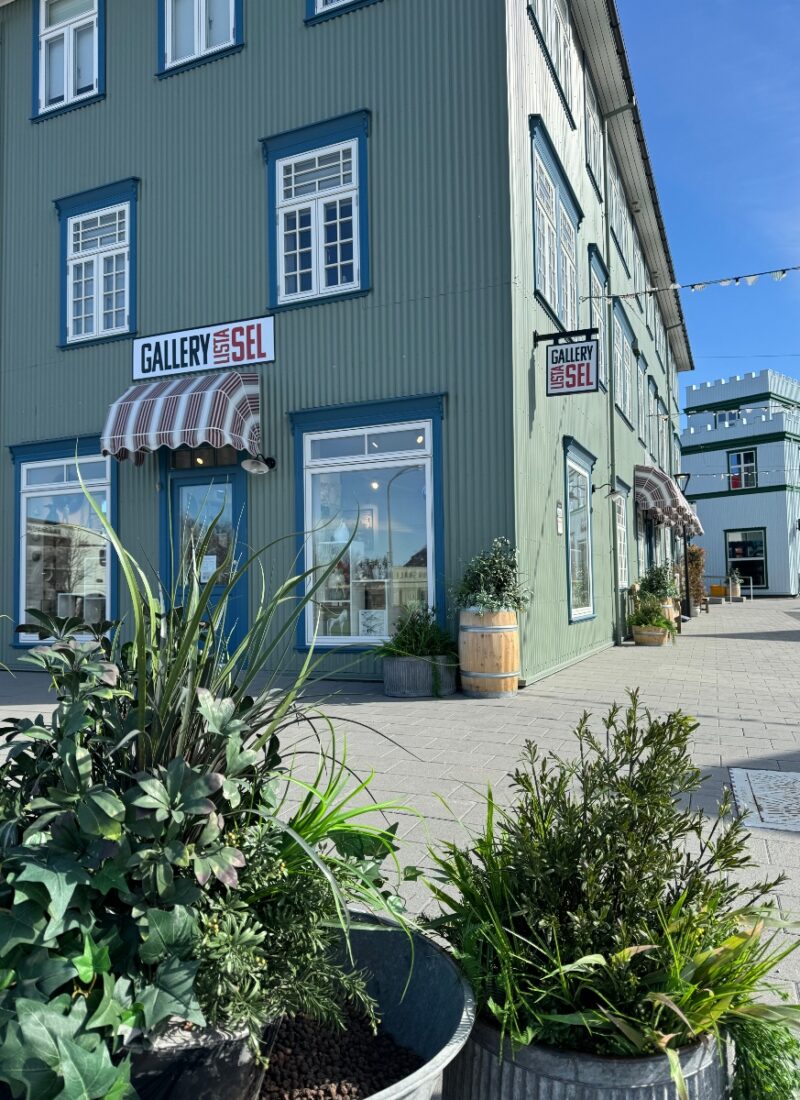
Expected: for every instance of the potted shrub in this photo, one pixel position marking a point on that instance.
(490, 595)
(171, 889)
(421, 658)
(648, 623)
(613, 952)
(734, 584)
(697, 571)
(659, 580)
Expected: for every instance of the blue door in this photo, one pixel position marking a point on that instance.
(197, 499)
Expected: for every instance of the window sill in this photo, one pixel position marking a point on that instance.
(556, 78)
(358, 648)
(344, 9)
(76, 105)
(287, 307)
(574, 620)
(196, 62)
(74, 345)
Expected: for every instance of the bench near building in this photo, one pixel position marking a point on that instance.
(742, 449)
(314, 239)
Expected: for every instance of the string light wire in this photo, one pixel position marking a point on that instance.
(777, 273)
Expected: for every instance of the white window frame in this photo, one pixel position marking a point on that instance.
(594, 134)
(638, 269)
(556, 246)
(585, 612)
(202, 49)
(652, 421)
(568, 259)
(27, 492)
(621, 526)
(321, 6)
(663, 436)
(620, 218)
(749, 469)
(68, 29)
(623, 369)
(731, 562)
(642, 400)
(554, 25)
(97, 256)
(316, 203)
(649, 303)
(597, 319)
(387, 459)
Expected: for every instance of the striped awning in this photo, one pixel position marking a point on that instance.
(216, 410)
(660, 496)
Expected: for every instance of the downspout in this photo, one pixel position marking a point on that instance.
(612, 381)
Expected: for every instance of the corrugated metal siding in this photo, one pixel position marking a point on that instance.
(438, 318)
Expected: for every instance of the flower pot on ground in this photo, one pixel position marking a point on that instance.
(420, 660)
(697, 571)
(734, 590)
(490, 595)
(599, 918)
(161, 865)
(648, 623)
(659, 580)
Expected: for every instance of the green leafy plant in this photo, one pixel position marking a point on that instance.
(735, 577)
(417, 633)
(649, 611)
(600, 912)
(659, 580)
(697, 570)
(156, 849)
(491, 581)
(767, 1061)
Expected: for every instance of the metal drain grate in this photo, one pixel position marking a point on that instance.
(770, 799)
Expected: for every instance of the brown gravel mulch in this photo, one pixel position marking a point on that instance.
(311, 1062)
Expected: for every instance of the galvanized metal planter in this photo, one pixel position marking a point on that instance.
(200, 1064)
(417, 678)
(540, 1073)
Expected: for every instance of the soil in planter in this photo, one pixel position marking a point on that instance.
(312, 1062)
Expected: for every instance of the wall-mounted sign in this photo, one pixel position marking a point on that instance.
(219, 347)
(572, 368)
(559, 517)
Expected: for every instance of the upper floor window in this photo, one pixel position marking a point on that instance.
(649, 303)
(598, 281)
(317, 10)
(730, 416)
(652, 420)
(319, 216)
(663, 436)
(556, 219)
(620, 221)
(552, 19)
(642, 403)
(624, 360)
(68, 52)
(194, 28)
(742, 471)
(638, 270)
(594, 135)
(98, 234)
(660, 335)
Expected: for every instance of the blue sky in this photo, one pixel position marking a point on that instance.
(718, 85)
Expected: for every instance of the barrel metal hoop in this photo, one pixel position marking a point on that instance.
(487, 629)
(491, 675)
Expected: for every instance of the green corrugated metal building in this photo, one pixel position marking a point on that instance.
(325, 232)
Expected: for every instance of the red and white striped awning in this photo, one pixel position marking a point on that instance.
(218, 410)
(660, 496)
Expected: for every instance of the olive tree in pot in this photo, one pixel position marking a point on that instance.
(613, 953)
(648, 623)
(170, 889)
(421, 658)
(734, 584)
(490, 596)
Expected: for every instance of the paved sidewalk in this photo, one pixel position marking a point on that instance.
(735, 670)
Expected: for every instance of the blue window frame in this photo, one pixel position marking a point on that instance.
(195, 32)
(62, 564)
(578, 466)
(557, 218)
(318, 10)
(98, 264)
(317, 191)
(369, 475)
(69, 56)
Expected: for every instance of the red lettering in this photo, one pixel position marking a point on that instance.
(252, 344)
(222, 347)
(238, 351)
(262, 354)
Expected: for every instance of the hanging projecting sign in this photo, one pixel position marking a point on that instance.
(220, 347)
(572, 368)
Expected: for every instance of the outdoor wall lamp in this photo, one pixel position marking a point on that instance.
(259, 465)
(615, 495)
(683, 481)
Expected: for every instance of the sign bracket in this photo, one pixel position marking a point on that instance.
(586, 333)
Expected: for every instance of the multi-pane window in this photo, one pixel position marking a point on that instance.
(730, 416)
(98, 259)
(594, 135)
(369, 507)
(638, 270)
(746, 552)
(326, 5)
(553, 20)
(318, 250)
(598, 320)
(742, 471)
(197, 27)
(642, 401)
(663, 436)
(64, 555)
(620, 220)
(660, 335)
(556, 247)
(68, 51)
(649, 303)
(652, 420)
(621, 518)
(623, 368)
(579, 529)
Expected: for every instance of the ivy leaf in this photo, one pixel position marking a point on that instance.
(170, 933)
(22, 924)
(43, 1025)
(94, 960)
(19, 1068)
(59, 875)
(172, 994)
(87, 1074)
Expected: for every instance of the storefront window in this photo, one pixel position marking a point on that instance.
(580, 541)
(64, 554)
(369, 507)
(747, 554)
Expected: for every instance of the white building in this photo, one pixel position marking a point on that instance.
(742, 450)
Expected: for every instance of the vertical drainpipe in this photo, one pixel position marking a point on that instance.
(612, 458)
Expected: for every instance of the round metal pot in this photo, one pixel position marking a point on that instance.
(419, 677)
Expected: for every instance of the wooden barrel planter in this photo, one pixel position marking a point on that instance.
(488, 652)
(650, 635)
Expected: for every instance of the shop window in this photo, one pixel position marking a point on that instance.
(197, 30)
(368, 504)
(68, 55)
(98, 263)
(556, 221)
(746, 552)
(742, 471)
(318, 196)
(64, 555)
(579, 531)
